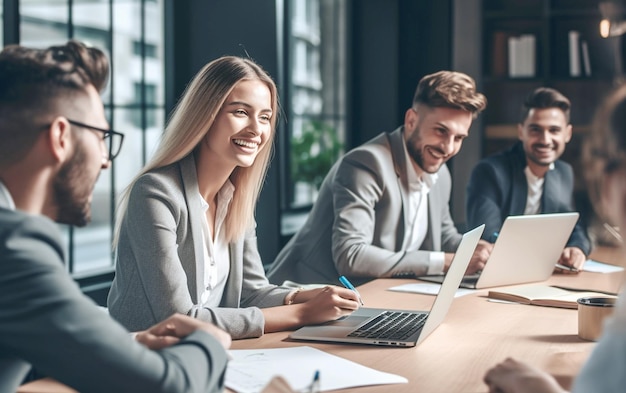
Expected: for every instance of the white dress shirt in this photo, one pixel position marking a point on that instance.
(417, 213)
(535, 191)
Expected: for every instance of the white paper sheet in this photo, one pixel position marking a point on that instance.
(428, 289)
(251, 369)
(600, 267)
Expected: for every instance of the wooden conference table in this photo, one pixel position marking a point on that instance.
(475, 335)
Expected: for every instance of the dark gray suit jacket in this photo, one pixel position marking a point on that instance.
(46, 322)
(498, 188)
(357, 225)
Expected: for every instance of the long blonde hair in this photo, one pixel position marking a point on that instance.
(192, 119)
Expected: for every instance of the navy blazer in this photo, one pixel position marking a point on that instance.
(498, 189)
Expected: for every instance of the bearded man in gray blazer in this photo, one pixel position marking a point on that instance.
(55, 142)
(383, 209)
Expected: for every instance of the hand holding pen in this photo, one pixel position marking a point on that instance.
(324, 304)
(346, 283)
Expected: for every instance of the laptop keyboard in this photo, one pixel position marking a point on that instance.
(391, 325)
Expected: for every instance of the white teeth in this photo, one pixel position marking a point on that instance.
(244, 143)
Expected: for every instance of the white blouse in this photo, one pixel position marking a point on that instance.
(216, 252)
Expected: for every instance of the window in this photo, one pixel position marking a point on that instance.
(315, 98)
(150, 49)
(134, 98)
(149, 92)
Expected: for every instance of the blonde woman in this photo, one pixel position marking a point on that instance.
(605, 164)
(185, 240)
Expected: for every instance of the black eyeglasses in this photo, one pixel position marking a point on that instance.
(113, 139)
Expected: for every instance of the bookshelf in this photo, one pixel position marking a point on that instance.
(560, 30)
(552, 24)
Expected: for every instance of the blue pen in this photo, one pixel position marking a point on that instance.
(494, 237)
(351, 287)
(315, 385)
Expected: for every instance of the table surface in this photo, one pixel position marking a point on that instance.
(475, 335)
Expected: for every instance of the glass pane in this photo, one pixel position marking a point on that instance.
(91, 25)
(127, 64)
(317, 95)
(43, 23)
(156, 125)
(155, 75)
(138, 145)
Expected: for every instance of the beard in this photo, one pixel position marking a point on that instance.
(414, 146)
(72, 190)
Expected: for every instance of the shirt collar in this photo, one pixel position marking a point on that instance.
(531, 175)
(6, 201)
(224, 195)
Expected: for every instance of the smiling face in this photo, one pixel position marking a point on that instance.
(434, 135)
(242, 127)
(544, 134)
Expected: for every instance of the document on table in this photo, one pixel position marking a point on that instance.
(251, 369)
(600, 267)
(425, 288)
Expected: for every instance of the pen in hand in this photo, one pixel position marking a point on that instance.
(351, 287)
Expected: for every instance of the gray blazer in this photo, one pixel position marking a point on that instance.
(357, 225)
(47, 323)
(160, 260)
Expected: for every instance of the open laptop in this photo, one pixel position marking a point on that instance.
(364, 325)
(526, 250)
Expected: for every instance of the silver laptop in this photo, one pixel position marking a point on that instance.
(526, 250)
(400, 328)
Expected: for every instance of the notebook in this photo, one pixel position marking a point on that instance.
(526, 250)
(420, 324)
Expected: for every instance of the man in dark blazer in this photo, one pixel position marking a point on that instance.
(529, 178)
(382, 210)
(55, 141)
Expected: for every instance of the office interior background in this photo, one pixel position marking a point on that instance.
(346, 71)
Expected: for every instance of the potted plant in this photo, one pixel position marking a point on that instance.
(313, 152)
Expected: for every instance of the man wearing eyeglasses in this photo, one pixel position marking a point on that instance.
(54, 141)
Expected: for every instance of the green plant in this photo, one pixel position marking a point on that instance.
(314, 152)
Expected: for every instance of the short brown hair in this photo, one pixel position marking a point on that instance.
(543, 98)
(33, 82)
(450, 89)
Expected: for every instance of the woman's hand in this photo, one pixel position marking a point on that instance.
(326, 304)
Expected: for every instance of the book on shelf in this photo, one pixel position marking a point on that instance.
(544, 295)
(521, 52)
(500, 54)
(579, 63)
(584, 49)
(574, 53)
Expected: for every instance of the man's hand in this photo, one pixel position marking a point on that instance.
(480, 257)
(571, 257)
(512, 376)
(171, 330)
